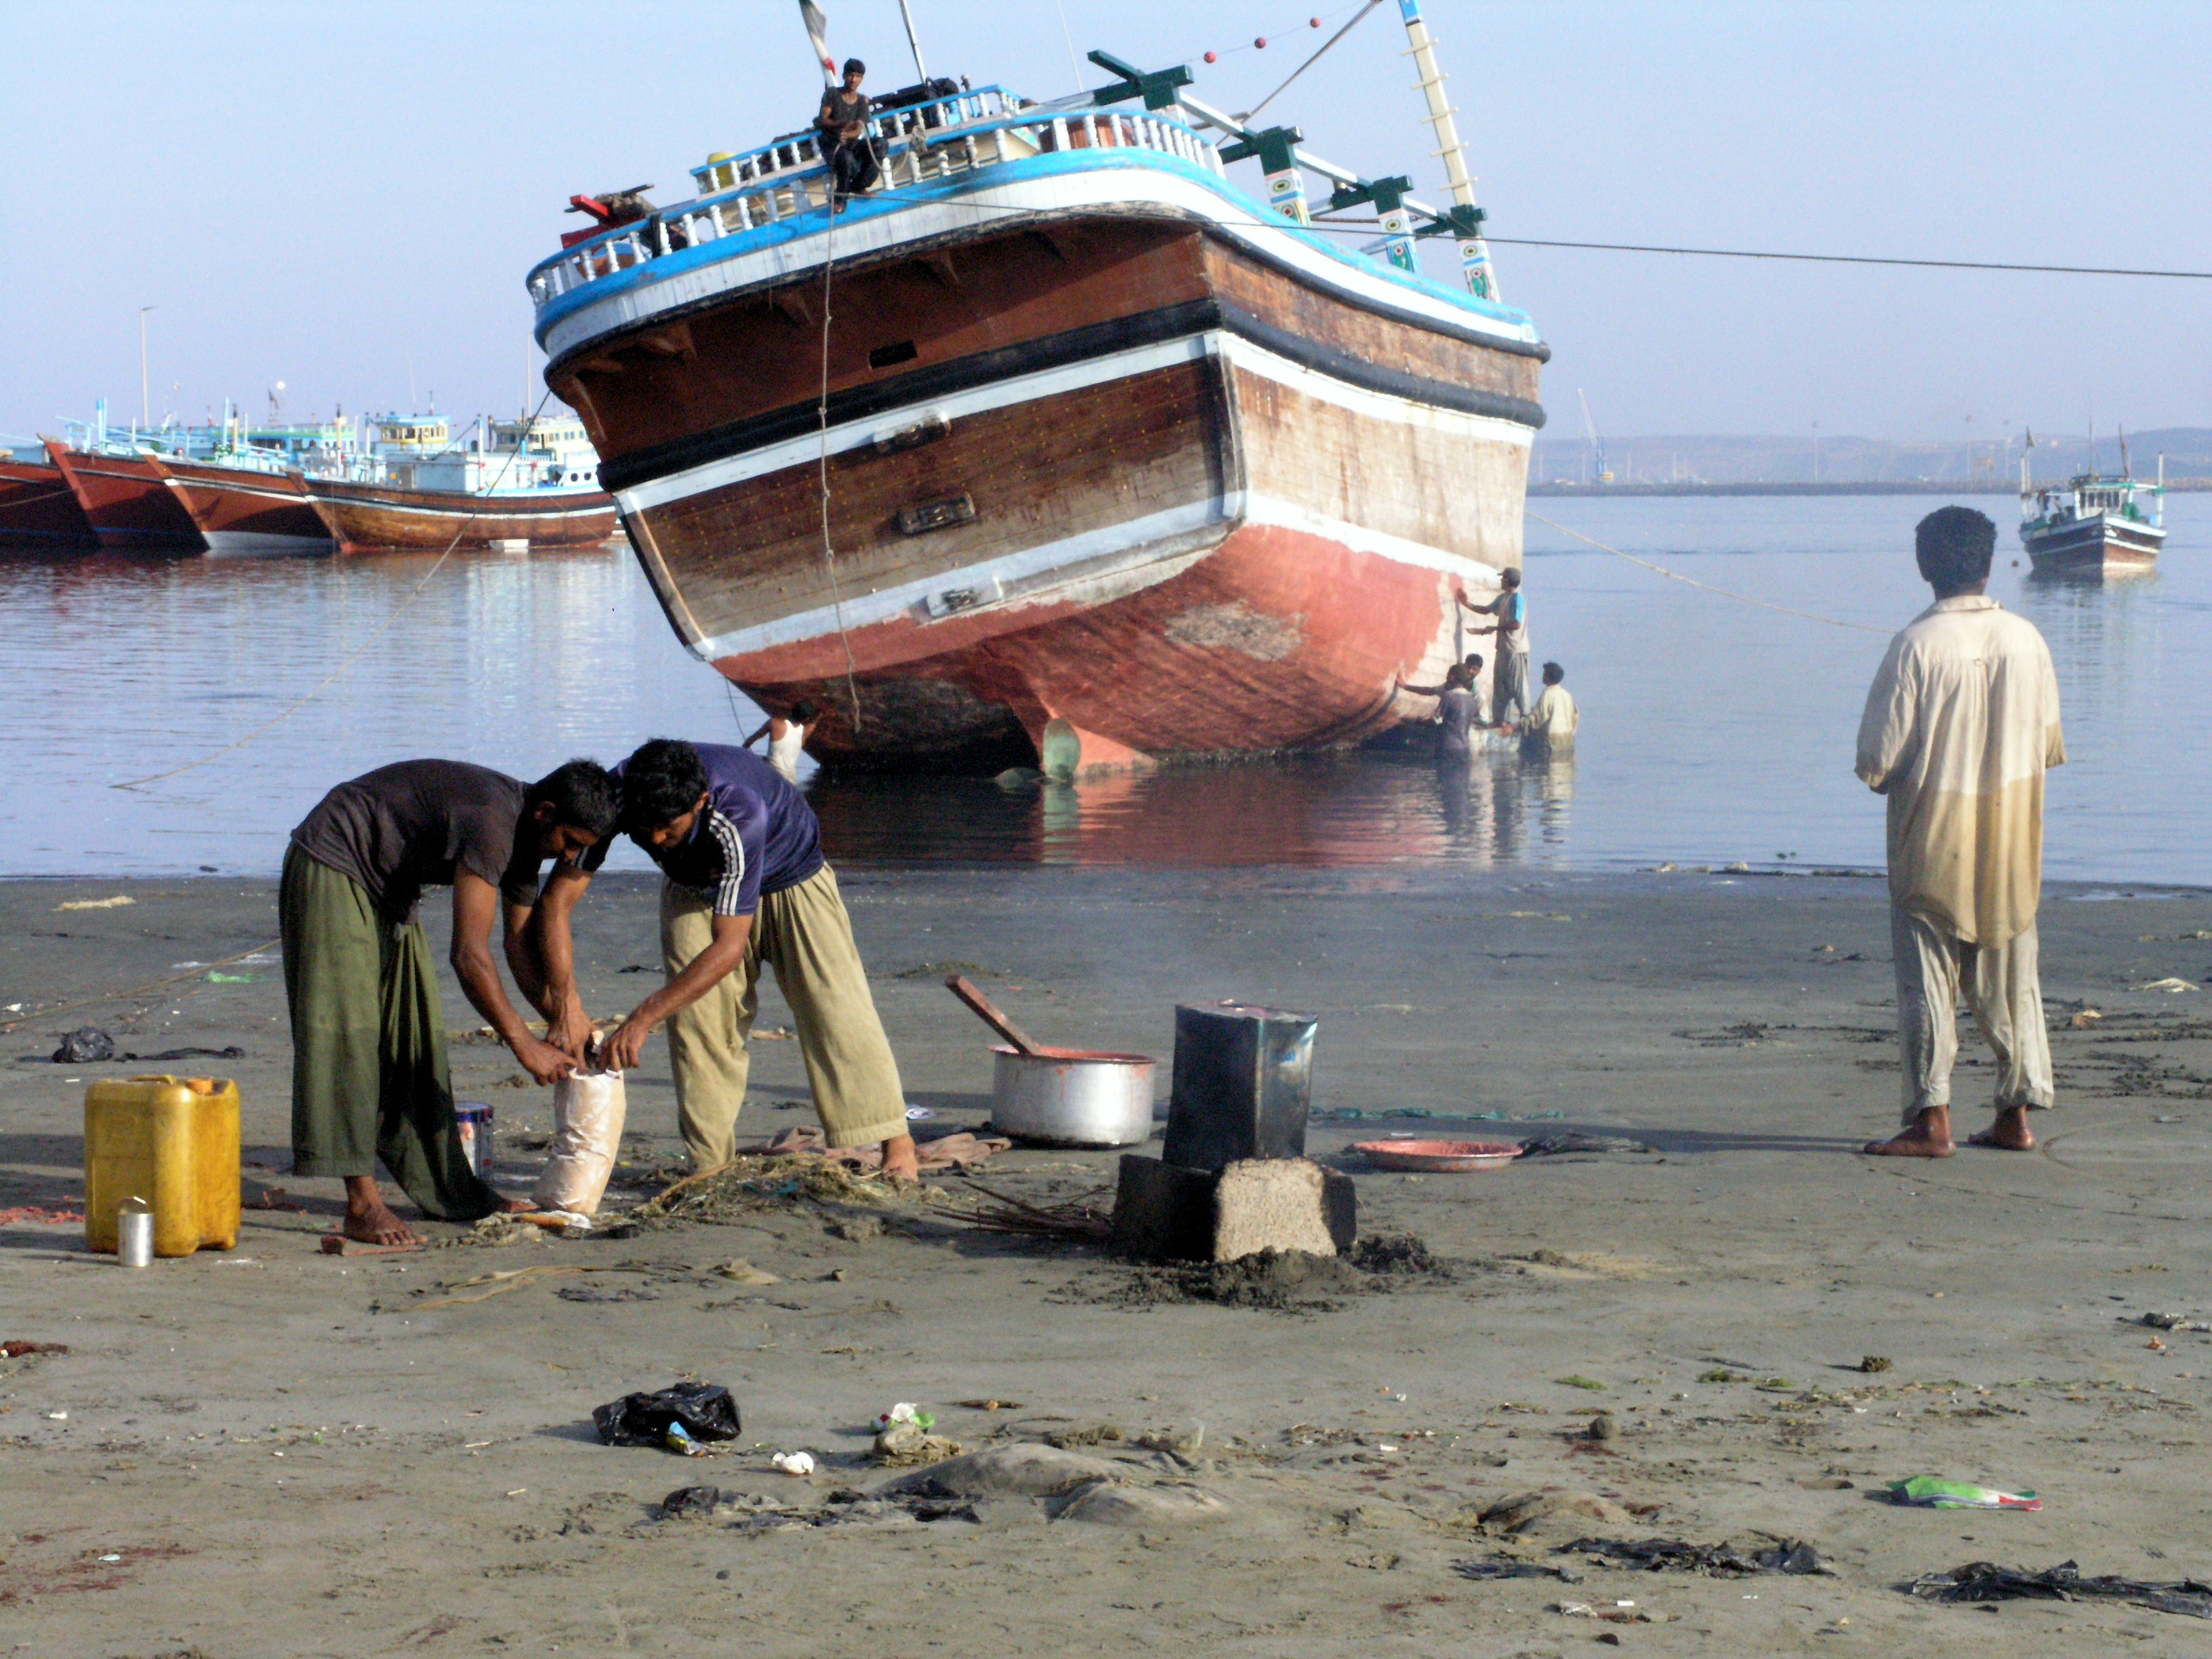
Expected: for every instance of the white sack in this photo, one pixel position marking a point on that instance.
(588, 1108)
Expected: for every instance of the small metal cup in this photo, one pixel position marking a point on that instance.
(134, 1233)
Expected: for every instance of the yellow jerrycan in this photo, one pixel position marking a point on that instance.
(171, 1141)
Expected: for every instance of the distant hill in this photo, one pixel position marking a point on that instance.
(1844, 459)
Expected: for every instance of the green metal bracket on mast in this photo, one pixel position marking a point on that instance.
(1157, 88)
(1388, 194)
(1276, 147)
(1464, 220)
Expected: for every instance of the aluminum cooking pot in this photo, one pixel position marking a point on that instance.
(1073, 1097)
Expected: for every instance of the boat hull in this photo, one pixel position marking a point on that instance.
(239, 512)
(40, 512)
(370, 517)
(128, 503)
(2094, 546)
(1106, 494)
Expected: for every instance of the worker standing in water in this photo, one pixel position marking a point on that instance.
(369, 1074)
(744, 882)
(1552, 723)
(1961, 726)
(1459, 709)
(787, 738)
(1510, 609)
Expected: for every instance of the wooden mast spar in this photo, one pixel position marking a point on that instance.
(1474, 251)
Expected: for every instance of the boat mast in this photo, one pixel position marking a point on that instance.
(913, 41)
(1474, 251)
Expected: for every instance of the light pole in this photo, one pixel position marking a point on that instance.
(145, 398)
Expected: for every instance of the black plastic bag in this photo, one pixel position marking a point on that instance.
(707, 1411)
(85, 1044)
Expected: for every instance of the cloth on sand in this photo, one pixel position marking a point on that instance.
(957, 1149)
(369, 1080)
(2004, 992)
(804, 933)
(1960, 724)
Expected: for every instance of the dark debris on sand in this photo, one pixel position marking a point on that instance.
(1278, 1281)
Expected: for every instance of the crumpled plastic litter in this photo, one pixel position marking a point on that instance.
(1929, 1491)
(85, 1044)
(2168, 1322)
(1573, 1140)
(905, 1412)
(1986, 1581)
(1499, 1567)
(706, 1410)
(797, 1463)
(1789, 1555)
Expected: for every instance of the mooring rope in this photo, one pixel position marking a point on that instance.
(335, 674)
(822, 417)
(1677, 576)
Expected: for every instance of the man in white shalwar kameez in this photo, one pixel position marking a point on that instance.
(1961, 726)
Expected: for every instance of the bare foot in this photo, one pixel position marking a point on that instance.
(368, 1220)
(1929, 1137)
(2008, 1133)
(902, 1162)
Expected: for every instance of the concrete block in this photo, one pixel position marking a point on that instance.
(1271, 1204)
(1162, 1210)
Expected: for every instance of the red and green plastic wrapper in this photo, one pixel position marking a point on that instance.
(1931, 1491)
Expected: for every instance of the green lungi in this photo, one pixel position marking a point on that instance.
(369, 1079)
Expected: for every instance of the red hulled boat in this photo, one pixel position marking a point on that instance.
(39, 511)
(1121, 463)
(240, 509)
(127, 502)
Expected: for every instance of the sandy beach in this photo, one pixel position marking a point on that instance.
(274, 1452)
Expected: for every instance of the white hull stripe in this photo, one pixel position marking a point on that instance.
(1151, 549)
(483, 509)
(1047, 383)
(1116, 182)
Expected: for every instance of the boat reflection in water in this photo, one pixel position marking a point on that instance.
(1338, 810)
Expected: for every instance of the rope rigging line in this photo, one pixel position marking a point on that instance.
(339, 672)
(1359, 18)
(1676, 576)
(822, 417)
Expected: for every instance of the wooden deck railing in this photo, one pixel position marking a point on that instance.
(920, 145)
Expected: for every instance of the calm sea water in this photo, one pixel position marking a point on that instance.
(1713, 730)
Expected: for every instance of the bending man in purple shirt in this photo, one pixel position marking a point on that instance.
(745, 881)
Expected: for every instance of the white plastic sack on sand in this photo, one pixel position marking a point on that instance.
(588, 1108)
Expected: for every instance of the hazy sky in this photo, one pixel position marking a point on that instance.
(337, 195)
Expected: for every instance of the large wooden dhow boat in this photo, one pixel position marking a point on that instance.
(39, 511)
(1061, 447)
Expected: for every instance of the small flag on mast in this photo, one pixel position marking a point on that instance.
(817, 31)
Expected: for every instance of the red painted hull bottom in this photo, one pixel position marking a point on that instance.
(1277, 639)
(39, 511)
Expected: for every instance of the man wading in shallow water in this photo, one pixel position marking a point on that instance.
(1960, 725)
(745, 881)
(369, 1079)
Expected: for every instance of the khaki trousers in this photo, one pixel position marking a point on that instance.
(2004, 992)
(804, 933)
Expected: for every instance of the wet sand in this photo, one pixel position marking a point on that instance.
(285, 1458)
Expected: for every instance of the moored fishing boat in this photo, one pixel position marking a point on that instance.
(523, 483)
(365, 518)
(1103, 459)
(127, 502)
(243, 503)
(39, 511)
(2093, 524)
